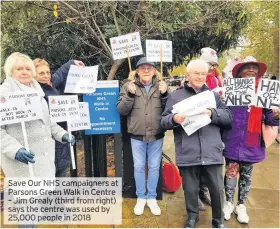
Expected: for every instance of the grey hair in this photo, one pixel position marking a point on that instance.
(14, 58)
(193, 63)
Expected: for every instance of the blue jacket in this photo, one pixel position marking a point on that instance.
(58, 79)
(205, 146)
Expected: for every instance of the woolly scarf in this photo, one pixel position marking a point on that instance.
(254, 126)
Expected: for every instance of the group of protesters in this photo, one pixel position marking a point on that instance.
(234, 133)
(146, 100)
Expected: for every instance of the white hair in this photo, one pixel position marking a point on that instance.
(197, 63)
(16, 57)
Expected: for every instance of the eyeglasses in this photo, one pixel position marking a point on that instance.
(145, 68)
(199, 73)
(213, 65)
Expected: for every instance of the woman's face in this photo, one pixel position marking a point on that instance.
(43, 74)
(249, 70)
(22, 72)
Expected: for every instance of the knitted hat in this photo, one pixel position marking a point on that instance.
(144, 60)
(209, 55)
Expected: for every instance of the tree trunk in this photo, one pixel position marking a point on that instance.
(114, 69)
(276, 53)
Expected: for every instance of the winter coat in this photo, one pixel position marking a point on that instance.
(143, 110)
(235, 138)
(205, 146)
(58, 79)
(39, 135)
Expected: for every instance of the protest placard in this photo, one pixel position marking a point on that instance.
(128, 43)
(195, 122)
(104, 115)
(268, 94)
(239, 91)
(153, 50)
(195, 104)
(83, 122)
(81, 79)
(20, 106)
(59, 104)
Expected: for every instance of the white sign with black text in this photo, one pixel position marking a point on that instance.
(59, 104)
(83, 123)
(81, 79)
(268, 94)
(19, 107)
(154, 49)
(121, 44)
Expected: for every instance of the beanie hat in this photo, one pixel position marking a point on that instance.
(209, 55)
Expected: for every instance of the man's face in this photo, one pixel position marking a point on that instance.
(146, 72)
(249, 70)
(43, 74)
(197, 76)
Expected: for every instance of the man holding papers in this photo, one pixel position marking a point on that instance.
(198, 144)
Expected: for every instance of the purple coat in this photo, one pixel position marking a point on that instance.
(234, 139)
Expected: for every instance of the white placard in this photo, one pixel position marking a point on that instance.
(83, 123)
(153, 49)
(195, 122)
(119, 45)
(239, 91)
(268, 94)
(81, 79)
(195, 104)
(20, 107)
(59, 104)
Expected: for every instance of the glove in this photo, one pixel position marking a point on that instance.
(65, 138)
(25, 156)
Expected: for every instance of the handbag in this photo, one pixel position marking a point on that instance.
(170, 175)
(269, 134)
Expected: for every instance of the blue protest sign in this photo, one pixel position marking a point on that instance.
(104, 116)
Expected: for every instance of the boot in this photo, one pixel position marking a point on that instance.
(204, 195)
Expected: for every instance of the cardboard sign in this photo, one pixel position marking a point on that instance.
(81, 79)
(59, 104)
(104, 115)
(119, 45)
(83, 122)
(268, 94)
(153, 50)
(19, 107)
(239, 91)
(195, 104)
(195, 122)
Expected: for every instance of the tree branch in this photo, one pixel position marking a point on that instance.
(136, 16)
(102, 41)
(113, 11)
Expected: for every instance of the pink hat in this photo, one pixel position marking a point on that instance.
(249, 60)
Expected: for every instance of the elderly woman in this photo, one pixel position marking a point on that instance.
(50, 84)
(19, 70)
(244, 144)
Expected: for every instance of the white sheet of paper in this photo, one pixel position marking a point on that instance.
(20, 107)
(59, 104)
(118, 45)
(153, 48)
(83, 122)
(195, 122)
(195, 104)
(81, 79)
